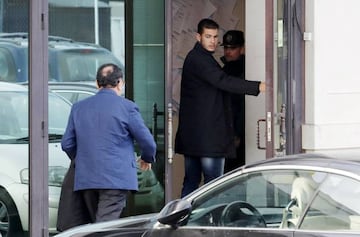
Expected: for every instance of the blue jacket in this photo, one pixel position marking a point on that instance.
(100, 137)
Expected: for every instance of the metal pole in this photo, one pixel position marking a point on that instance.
(168, 99)
(38, 119)
(96, 21)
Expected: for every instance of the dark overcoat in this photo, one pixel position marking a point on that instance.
(72, 210)
(237, 68)
(205, 125)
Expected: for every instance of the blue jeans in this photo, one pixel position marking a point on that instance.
(210, 167)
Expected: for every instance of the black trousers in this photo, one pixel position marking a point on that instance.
(104, 204)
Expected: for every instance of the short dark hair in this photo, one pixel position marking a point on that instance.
(208, 24)
(111, 78)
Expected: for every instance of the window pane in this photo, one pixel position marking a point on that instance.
(246, 201)
(336, 205)
(14, 117)
(149, 81)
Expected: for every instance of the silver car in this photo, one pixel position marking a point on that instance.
(14, 155)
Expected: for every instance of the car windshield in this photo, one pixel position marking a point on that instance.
(14, 127)
(79, 64)
(69, 65)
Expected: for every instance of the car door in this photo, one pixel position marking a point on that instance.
(218, 232)
(247, 205)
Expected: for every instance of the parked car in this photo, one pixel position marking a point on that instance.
(299, 196)
(14, 156)
(73, 91)
(69, 60)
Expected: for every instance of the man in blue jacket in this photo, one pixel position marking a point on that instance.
(205, 133)
(100, 139)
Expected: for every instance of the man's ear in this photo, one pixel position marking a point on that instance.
(243, 50)
(97, 84)
(198, 37)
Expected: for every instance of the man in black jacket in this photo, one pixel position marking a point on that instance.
(205, 132)
(234, 65)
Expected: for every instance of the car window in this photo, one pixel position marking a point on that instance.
(14, 116)
(7, 66)
(250, 200)
(336, 206)
(9, 125)
(59, 111)
(80, 65)
(74, 96)
(82, 96)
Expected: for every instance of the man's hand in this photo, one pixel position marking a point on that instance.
(144, 165)
(262, 87)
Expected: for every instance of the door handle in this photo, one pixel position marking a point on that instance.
(170, 134)
(267, 122)
(282, 118)
(258, 134)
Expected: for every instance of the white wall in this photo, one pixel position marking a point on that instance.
(332, 116)
(255, 70)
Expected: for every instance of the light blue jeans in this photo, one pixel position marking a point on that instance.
(195, 167)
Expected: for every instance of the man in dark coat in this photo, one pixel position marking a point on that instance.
(205, 132)
(234, 64)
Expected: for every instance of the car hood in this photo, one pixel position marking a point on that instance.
(14, 158)
(132, 224)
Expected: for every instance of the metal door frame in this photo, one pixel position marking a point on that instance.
(295, 76)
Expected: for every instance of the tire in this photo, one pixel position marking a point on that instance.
(10, 224)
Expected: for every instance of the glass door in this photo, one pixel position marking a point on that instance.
(287, 98)
(145, 60)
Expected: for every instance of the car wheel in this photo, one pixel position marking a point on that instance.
(10, 224)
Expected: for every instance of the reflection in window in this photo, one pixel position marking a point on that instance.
(7, 68)
(336, 206)
(246, 201)
(14, 116)
(81, 64)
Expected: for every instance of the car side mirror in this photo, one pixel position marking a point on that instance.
(175, 213)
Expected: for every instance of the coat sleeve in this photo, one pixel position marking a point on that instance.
(209, 70)
(68, 141)
(142, 135)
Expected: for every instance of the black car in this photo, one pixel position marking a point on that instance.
(69, 60)
(299, 196)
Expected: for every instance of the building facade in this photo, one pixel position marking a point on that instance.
(305, 50)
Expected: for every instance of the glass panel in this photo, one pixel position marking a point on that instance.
(149, 60)
(280, 75)
(14, 128)
(336, 206)
(76, 52)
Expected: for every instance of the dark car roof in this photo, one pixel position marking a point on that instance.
(312, 159)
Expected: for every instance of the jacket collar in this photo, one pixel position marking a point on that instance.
(106, 91)
(199, 47)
